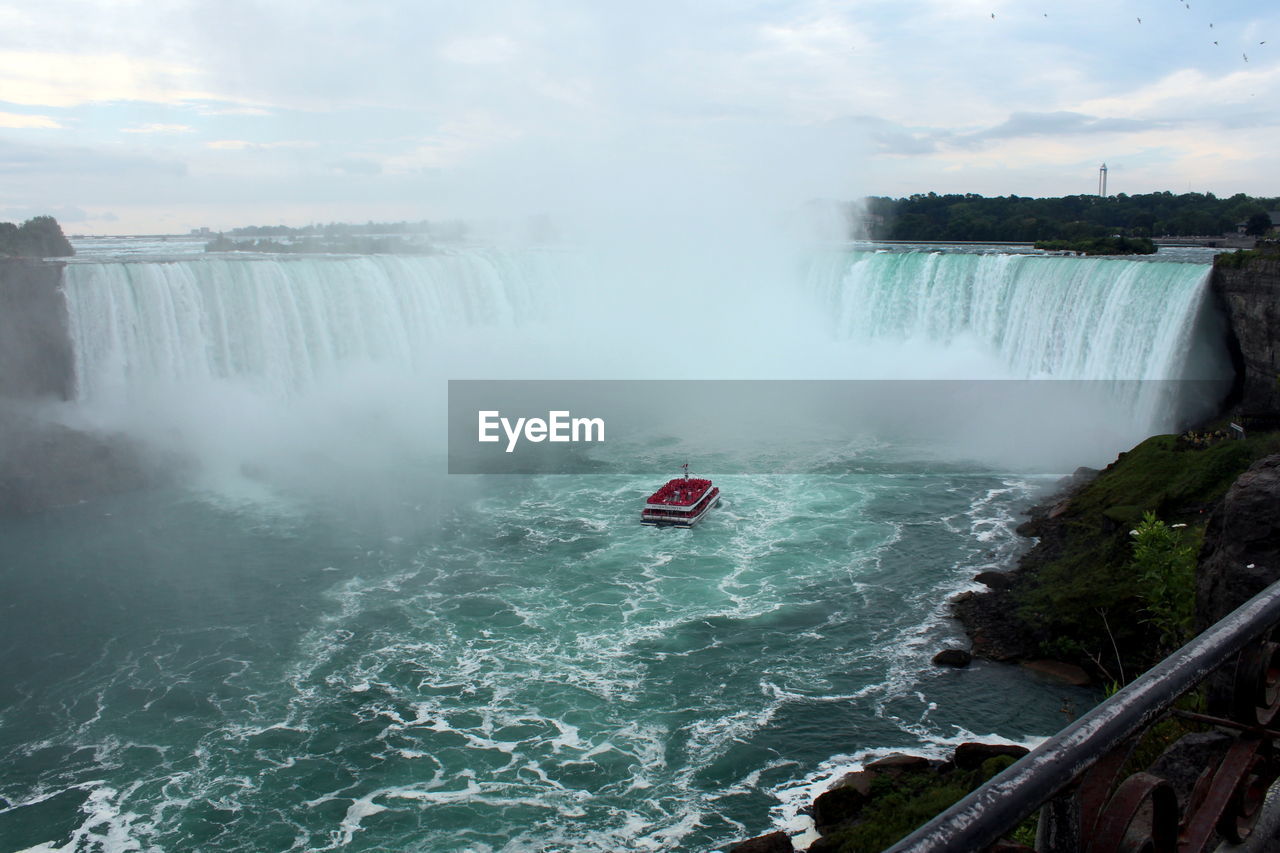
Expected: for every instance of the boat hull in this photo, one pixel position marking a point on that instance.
(681, 521)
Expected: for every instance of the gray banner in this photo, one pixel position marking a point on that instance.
(641, 426)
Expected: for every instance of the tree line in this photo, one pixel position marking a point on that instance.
(1075, 217)
(453, 230)
(348, 244)
(39, 237)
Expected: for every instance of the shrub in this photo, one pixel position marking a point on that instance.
(1165, 564)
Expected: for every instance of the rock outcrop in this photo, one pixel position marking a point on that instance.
(36, 359)
(1249, 292)
(774, 842)
(1241, 552)
(867, 804)
(952, 657)
(45, 465)
(990, 620)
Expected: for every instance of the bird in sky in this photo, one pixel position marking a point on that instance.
(1139, 20)
(1246, 56)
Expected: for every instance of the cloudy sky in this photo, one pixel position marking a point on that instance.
(133, 117)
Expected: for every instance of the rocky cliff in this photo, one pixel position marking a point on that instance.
(1241, 553)
(35, 350)
(1248, 287)
(43, 463)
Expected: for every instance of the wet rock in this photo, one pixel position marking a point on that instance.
(952, 657)
(995, 580)
(986, 618)
(774, 842)
(900, 762)
(826, 844)
(843, 801)
(970, 756)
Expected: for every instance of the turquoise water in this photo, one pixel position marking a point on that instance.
(525, 669)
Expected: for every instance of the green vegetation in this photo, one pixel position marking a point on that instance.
(1242, 258)
(1101, 246)
(1258, 224)
(40, 237)
(1089, 577)
(1076, 217)
(1235, 260)
(1164, 562)
(898, 805)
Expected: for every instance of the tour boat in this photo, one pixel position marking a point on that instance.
(681, 502)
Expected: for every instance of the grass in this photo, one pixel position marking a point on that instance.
(1084, 586)
(900, 804)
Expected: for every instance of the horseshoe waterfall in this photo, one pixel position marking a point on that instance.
(294, 630)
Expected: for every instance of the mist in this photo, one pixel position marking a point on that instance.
(327, 376)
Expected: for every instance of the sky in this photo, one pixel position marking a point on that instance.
(133, 118)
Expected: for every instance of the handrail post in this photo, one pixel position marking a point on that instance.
(1059, 827)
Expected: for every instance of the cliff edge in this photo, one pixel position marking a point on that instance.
(1247, 284)
(45, 464)
(36, 359)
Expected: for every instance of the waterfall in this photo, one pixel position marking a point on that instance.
(238, 354)
(1045, 317)
(283, 323)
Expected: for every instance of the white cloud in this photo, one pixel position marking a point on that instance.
(494, 104)
(244, 145)
(233, 111)
(158, 128)
(1190, 90)
(456, 142)
(66, 79)
(18, 120)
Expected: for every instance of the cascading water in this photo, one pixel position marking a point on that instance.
(1046, 317)
(447, 664)
(285, 323)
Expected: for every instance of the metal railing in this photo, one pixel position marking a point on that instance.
(1074, 777)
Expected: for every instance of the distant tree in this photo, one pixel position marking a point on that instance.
(929, 216)
(39, 237)
(1258, 224)
(44, 238)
